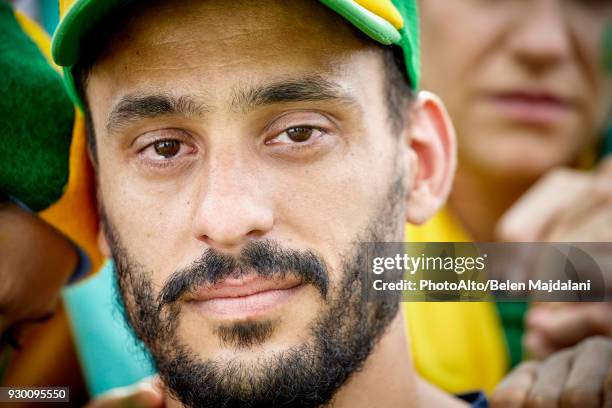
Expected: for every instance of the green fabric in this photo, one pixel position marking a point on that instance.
(36, 119)
(411, 39)
(512, 315)
(85, 14)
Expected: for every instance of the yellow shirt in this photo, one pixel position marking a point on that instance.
(459, 347)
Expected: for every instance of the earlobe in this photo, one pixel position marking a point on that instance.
(433, 156)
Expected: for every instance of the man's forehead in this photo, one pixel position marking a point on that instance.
(218, 38)
(216, 25)
(216, 66)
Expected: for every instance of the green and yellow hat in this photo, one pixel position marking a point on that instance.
(389, 22)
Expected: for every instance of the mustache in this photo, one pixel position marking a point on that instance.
(265, 258)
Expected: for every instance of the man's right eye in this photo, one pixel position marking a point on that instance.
(165, 151)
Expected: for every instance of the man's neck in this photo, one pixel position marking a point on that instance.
(479, 200)
(388, 378)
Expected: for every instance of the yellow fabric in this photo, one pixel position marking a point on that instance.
(459, 347)
(384, 9)
(74, 214)
(37, 34)
(64, 6)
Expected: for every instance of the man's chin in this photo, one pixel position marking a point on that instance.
(250, 343)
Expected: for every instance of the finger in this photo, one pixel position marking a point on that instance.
(584, 386)
(513, 390)
(157, 384)
(529, 216)
(537, 346)
(587, 219)
(550, 380)
(567, 325)
(142, 395)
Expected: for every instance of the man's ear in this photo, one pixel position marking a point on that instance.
(432, 158)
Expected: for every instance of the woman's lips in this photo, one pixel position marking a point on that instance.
(246, 297)
(535, 108)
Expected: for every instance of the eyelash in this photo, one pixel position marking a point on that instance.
(298, 145)
(161, 162)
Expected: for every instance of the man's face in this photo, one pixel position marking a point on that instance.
(522, 79)
(244, 149)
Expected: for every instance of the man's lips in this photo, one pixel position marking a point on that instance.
(532, 106)
(244, 297)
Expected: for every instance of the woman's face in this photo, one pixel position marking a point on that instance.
(523, 79)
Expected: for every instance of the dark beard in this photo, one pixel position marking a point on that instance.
(307, 375)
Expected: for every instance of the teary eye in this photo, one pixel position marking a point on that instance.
(12, 339)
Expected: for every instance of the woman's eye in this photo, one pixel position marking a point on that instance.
(298, 134)
(11, 339)
(167, 148)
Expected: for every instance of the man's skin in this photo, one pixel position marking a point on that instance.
(524, 85)
(35, 262)
(227, 173)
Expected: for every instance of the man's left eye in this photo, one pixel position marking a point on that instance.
(298, 134)
(167, 148)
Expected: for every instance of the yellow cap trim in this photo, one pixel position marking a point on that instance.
(384, 9)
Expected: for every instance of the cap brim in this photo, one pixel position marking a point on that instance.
(84, 15)
(75, 25)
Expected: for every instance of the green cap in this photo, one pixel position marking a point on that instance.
(36, 119)
(389, 22)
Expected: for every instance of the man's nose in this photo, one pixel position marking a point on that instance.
(232, 208)
(541, 38)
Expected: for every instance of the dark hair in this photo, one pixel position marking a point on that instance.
(398, 89)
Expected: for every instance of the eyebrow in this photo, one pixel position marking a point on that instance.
(307, 89)
(136, 107)
(39, 319)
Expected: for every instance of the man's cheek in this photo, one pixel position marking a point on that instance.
(330, 203)
(150, 230)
